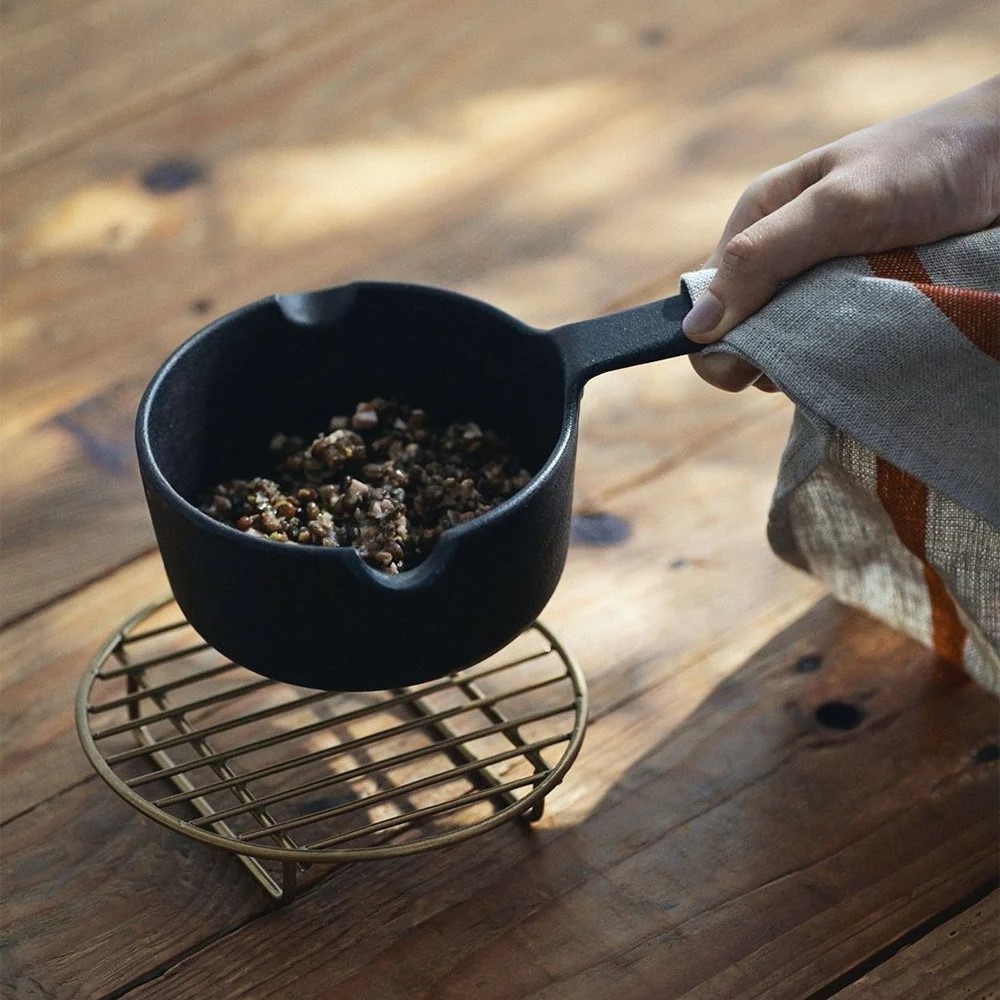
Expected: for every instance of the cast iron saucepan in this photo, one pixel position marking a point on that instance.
(321, 617)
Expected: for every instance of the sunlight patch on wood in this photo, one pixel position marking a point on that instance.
(282, 197)
(112, 217)
(854, 88)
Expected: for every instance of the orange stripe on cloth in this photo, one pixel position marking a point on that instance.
(976, 315)
(899, 265)
(905, 501)
(973, 312)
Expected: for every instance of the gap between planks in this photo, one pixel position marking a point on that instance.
(848, 985)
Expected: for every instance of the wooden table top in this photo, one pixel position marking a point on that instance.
(719, 835)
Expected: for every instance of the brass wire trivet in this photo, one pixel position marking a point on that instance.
(287, 777)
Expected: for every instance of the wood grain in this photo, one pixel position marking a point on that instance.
(50, 787)
(45, 657)
(116, 61)
(547, 184)
(676, 556)
(958, 958)
(693, 771)
(719, 836)
(748, 852)
(71, 931)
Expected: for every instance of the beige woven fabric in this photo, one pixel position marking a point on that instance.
(889, 487)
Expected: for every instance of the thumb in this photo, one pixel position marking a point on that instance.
(759, 259)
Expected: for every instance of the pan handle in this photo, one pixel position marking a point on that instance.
(649, 332)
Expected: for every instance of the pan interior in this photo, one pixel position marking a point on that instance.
(273, 368)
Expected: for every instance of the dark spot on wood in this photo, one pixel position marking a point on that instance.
(987, 754)
(839, 715)
(808, 664)
(202, 306)
(168, 176)
(599, 529)
(679, 563)
(653, 36)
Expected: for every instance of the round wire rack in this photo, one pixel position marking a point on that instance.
(287, 777)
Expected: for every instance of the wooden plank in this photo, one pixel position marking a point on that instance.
(108, 276)
(687, 756)
(90, 937)
(958, 958)
(715, 838)
(623, 140)
(694, 534)
(634, 423)
(745, 850)
(45, 773)
(62, 192)
(46, 786)
(114, 61)
(45, 656)
(92, 480)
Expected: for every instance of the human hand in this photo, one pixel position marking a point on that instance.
(904, 182)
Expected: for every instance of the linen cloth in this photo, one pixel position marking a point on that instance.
(889, 486)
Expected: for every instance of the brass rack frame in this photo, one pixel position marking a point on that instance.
(288, 777)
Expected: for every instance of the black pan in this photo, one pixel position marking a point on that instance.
(321, 617)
